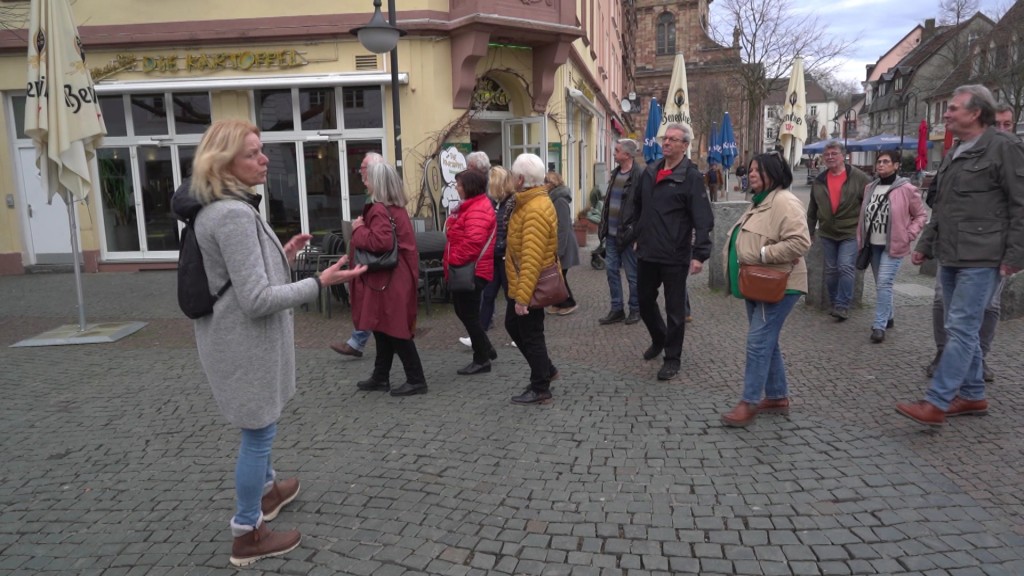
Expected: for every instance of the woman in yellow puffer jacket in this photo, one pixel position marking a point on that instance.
(532, 244)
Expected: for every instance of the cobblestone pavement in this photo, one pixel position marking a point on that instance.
(116, 462)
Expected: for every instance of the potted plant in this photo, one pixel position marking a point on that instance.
(580, 228)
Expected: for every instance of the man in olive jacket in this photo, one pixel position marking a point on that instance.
(673, 222)
(834, 208)
(977, 234)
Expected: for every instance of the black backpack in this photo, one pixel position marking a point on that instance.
(194, 296)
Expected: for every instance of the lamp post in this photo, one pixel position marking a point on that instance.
(378, 37)
(846, 129)
(903, 101)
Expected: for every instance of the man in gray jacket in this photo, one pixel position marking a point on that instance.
(834, 209)
(977, 234)
(616, 211)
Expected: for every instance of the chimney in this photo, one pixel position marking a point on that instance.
(929, 29)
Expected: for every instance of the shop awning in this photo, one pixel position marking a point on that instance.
(617, 126)
(248, 83)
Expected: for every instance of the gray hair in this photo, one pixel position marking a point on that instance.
(1003, 107)
(980, 99)
(835, 145)
(478, 161)
(385, 185)
(628, 145)
(682, 127)
(530, 168)
(373, 158)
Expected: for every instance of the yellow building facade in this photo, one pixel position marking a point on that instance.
(502, 76)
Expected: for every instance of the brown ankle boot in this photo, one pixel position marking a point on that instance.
(262, 543)
(741, 416)
(280, 494)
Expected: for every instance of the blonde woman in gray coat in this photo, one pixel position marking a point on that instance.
(247, 346)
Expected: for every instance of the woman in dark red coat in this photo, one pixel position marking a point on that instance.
(470, 232)
(384, 301)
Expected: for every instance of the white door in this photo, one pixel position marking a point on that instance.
(48, 230)
(521, 135)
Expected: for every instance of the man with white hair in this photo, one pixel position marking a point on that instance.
(671, 223)
(478, 161)
(531, 246)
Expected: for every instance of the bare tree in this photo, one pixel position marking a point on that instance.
(709, 102)
(769, 35)
(956, 11)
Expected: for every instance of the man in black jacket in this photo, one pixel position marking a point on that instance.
(671, 222)
(617, 210)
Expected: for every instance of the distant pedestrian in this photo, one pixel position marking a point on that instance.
(713, 180)
(771, 233)
(532, 242)
(247, 345)
(671, 223)
(890, 220)
(832, 214)
(568, 250)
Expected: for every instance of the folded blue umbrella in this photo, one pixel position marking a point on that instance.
(652, 150)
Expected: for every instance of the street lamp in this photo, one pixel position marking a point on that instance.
(904, 99)
(378, 37)
(846, 129)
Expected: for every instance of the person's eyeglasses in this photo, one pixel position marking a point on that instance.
(831, 154)
(884, 161)
(671, 139)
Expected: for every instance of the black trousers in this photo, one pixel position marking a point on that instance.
(649, 277)
(467, 308)
(570, 301)
(490, 293)
(387, 348)
(528, 333)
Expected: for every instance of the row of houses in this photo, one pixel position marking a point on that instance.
(914, 81)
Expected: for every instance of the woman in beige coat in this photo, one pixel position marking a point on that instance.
(771, 233)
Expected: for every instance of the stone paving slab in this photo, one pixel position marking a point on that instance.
(117, 462)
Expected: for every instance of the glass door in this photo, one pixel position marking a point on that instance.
(525, 135)
(282, 203)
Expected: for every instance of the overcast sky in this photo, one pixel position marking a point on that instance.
(874, 25)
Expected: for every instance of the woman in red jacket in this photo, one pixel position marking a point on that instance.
(470, 232)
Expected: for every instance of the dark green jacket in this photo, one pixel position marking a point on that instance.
(978, 217)
(843, 224)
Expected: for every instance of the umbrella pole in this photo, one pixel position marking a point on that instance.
(74, 255)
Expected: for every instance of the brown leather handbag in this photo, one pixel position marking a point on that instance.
(550, 289)
(763, 284)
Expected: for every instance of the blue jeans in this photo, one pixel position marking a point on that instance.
(965, 292)
(615, 259)
(359, 339)
(885, 268)
(840, 270)
(252, 473)
(765, 374)
(490, 293)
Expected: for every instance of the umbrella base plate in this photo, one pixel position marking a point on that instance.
(72, 334)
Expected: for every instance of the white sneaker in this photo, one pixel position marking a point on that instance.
(466, 341)
(514, 345)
